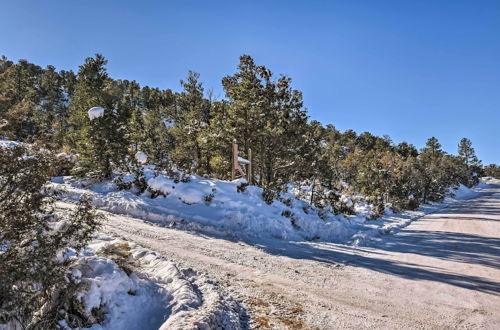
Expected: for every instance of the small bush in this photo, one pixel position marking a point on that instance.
(268, 196)
(121, 184)
(33, 278)
(140, 182)
(153, 193)
(378, 209)
(287, 201)
(242, 186)
(208, 198)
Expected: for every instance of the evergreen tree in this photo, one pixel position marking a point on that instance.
(493, 171)
(430, 159)
(469, 159)
(159, 140)
(34, 284)
(192, 116)
(51, 112)
(100, 142)
(18, 99)
(267, 116)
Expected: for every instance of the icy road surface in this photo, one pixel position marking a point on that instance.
(442, 271)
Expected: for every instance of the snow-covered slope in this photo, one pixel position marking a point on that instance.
(216, 207)
(212, 206)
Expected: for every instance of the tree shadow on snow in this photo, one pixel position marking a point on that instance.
(457, 247)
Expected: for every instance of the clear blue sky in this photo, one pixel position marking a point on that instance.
(410, 69)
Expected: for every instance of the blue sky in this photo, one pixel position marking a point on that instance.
(410, 69)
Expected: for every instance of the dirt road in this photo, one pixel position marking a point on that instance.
(441, 272)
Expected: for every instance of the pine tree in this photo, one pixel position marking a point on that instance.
(493, 171)
(430, 159)
(100, 142)
(267, 116)
(158, 141)
(33, 279)
(51, 112)
(192, 116)
(18, 99)
(467, 153)
(469, 159)
(217, 140)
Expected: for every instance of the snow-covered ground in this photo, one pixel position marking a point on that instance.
(444, 266)
(215, 207)
(146, 291)
(152, 292)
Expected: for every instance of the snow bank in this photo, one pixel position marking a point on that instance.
(461, 192)
(487, 181)
(128, 302)
(95, 112)
(213, 206)
(391, 223)
(157, 295)
(216, 207)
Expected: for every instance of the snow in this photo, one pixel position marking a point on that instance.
(461, 192)
(215, 207)
(141, 157)
(168, 124)
(8, 144)
(95, 112)
(243, 160)
(157, 295)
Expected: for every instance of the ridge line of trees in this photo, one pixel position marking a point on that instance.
(191, 131)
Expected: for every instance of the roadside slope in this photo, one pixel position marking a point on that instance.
(441, 271)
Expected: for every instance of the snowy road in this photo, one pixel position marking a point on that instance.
(442, 271)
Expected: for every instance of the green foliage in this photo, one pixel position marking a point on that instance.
(100, 142)
(266, 115)
(33, 274)
(472, 165)
(493, 171)
(192, 132)
(192, 114)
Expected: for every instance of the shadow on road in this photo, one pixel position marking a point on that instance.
(453, 246)
(457, 247)
(469, 249)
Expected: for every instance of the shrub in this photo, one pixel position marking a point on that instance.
(268, 195)
(242, 186)
(208, 198)
(32, 240)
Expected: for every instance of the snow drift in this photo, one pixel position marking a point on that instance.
(156, 295)
(216, 207)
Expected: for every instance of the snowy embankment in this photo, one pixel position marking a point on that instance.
(216, 207)
(392, 222)
(134, 288)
